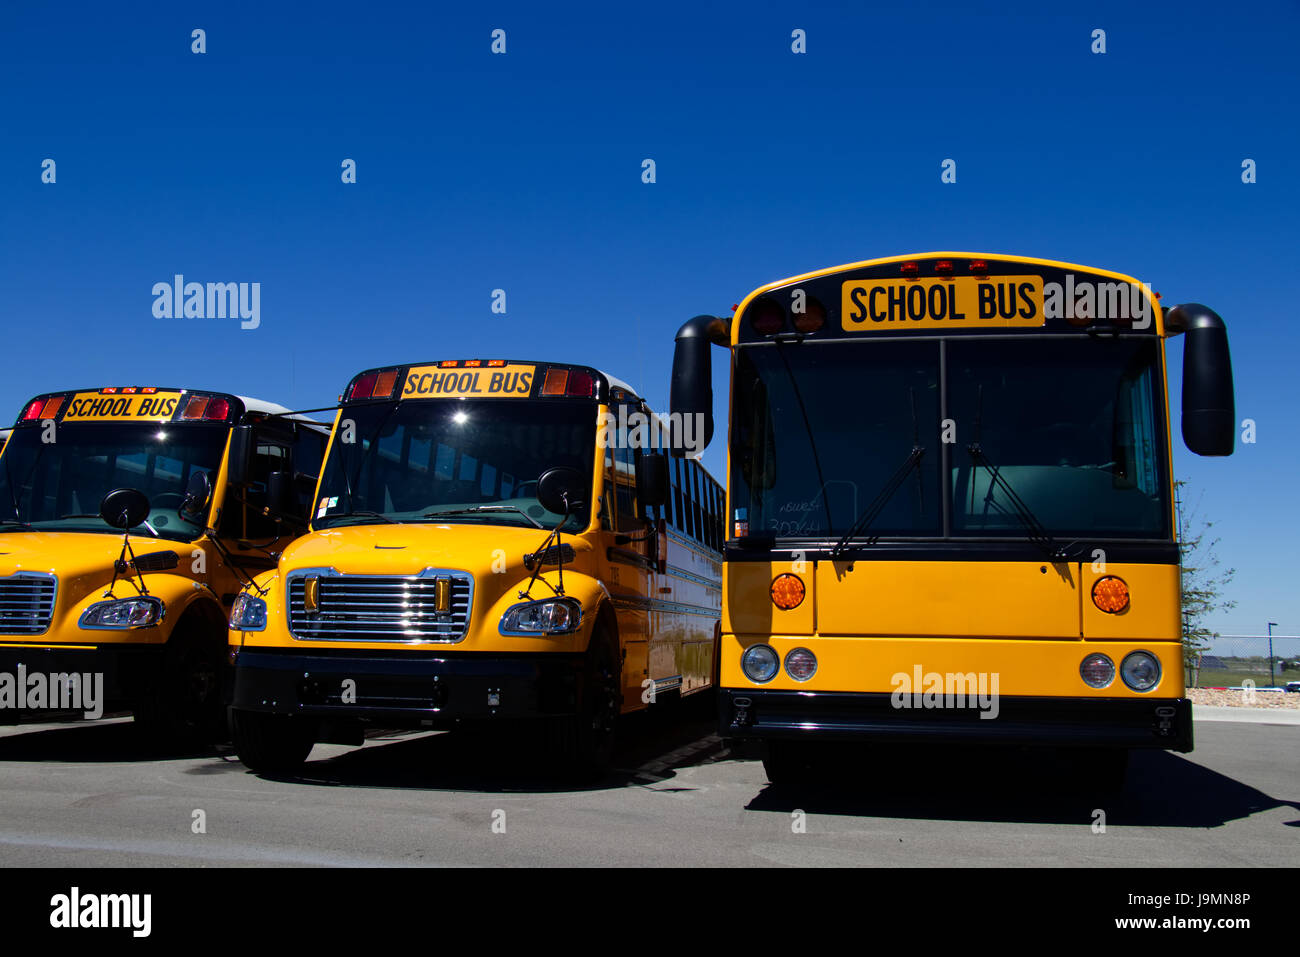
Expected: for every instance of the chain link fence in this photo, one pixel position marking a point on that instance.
(1229, 661)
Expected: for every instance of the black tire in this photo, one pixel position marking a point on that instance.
(582, 746)
(185, 704)
(271, 743)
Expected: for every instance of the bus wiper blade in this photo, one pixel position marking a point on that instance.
(1035, 531)
(366, 514)
(873, 510)
(474, 510)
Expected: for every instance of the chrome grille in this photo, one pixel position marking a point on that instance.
(380, 608)
(26, 604)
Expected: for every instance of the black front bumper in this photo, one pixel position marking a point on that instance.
(130, 670)
(396, 689)
(1059, 722)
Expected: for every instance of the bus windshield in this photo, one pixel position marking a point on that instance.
(58, 485)
(1073, 427)
(452, 460)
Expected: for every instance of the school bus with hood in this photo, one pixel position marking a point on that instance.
(950, 505)
(131, 517)
(492, 541)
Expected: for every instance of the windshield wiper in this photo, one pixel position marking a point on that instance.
(15, 523)
(878, 504)
(486, 508)
(1035, 530)
(366, 514)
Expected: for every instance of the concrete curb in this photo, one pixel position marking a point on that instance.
(1211, 712)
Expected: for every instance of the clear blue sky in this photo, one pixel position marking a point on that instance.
(523, 172)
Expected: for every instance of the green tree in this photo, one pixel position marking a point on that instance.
(1203, 580)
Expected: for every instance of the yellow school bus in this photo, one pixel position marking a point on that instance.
(492, 541)
(129, 519)
(950, 509)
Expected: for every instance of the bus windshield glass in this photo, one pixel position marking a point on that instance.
(1073, 427)
(57, 486)
(472, 461)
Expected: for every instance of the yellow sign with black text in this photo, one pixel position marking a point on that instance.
(876, 305)
(486, 382)
(139, 407)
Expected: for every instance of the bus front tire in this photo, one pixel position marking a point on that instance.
(271, 743)
(185, 706)
(582, 746)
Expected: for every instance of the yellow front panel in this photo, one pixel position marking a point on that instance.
(1022, 667)
(943, 599)
(747, 599)
(1152, 613)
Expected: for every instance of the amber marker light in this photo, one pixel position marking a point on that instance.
(1110, 594)
(812, 318)
(787, 591)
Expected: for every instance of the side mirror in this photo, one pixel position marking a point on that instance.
(198, 492)
(124, 508)
(1209, 410)
(652, 479)
(281, 495)
(243, 440)
(691, 399)
(562, 491)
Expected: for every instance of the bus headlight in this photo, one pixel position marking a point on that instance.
(801, 664)
(142, 612)
(248, 614)
(1140, 670)
(1097, 671)
(760, 663)
(551, 616)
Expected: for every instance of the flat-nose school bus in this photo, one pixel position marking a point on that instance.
(491, 540)
(950, 509)
(129, 518)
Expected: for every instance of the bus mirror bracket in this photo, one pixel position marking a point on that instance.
(1209, 409)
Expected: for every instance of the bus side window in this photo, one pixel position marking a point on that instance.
(242, 519)
(711, 513)
(308, 453)
(666, 510)
(719, 518)
(607, 489)
(625, 485)
(677, 494)
(686, 498)
(699, 510)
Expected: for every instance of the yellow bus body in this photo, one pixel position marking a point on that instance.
(642, 580)
(880, 626)
(53, 573)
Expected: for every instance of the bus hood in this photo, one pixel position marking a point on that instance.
(82, 561)
(74, 555)
(386, 549)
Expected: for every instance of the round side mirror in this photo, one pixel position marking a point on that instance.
(197, 492)
(124, 508)
(562, 491)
